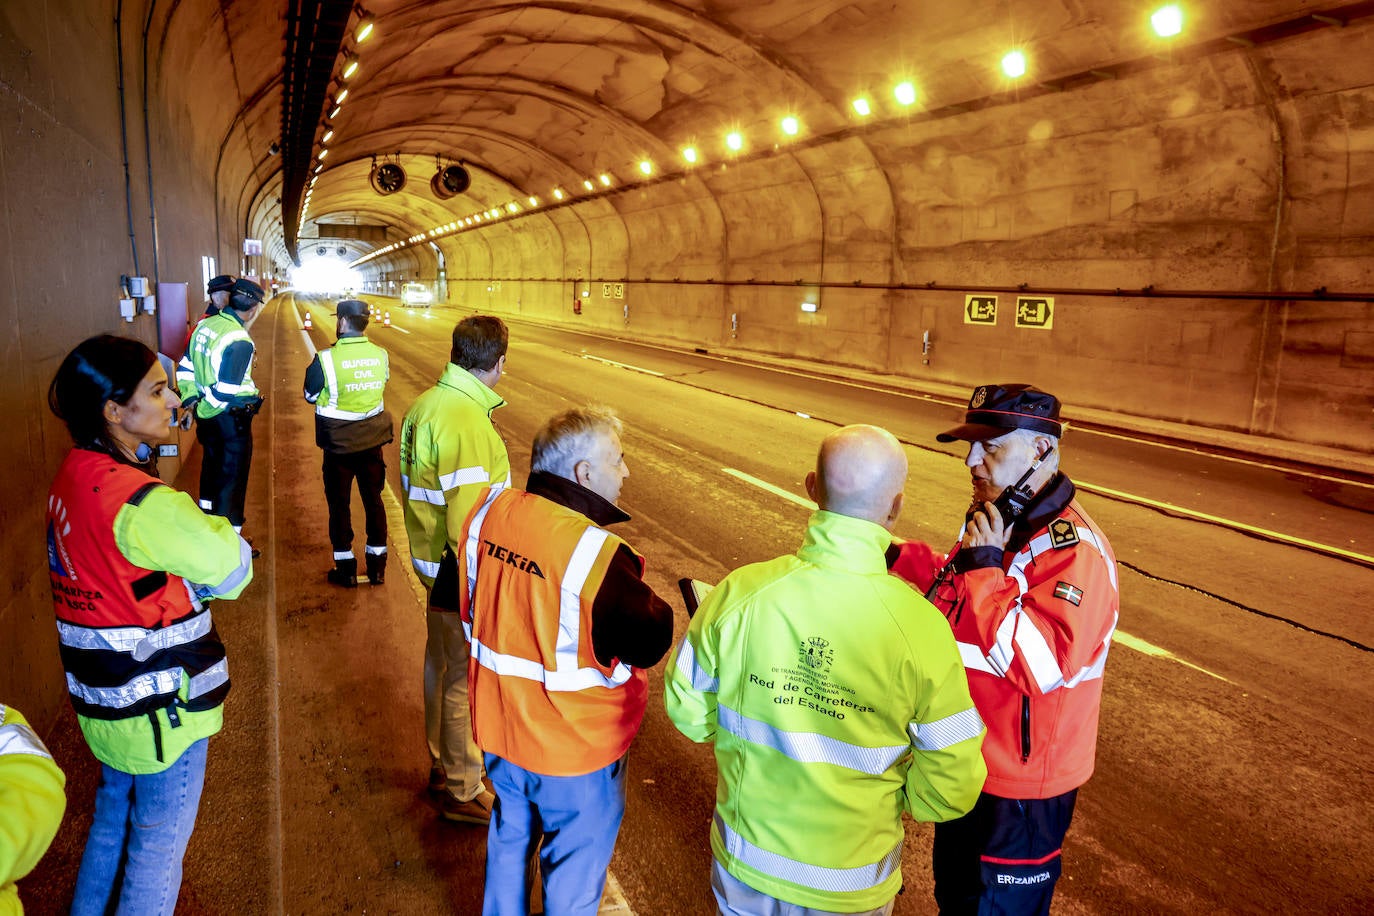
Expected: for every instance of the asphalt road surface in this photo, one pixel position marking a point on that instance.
(1233, 770)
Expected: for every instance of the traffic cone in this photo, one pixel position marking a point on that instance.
(308, 325)
(386, 320)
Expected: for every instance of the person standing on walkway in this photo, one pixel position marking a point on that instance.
(835, 699)
(450, 451)
(227, 399)
(562, 627)
(1030, 592)
(346, 383)
(132, 564)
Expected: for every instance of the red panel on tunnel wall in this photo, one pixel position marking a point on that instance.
(171, 319)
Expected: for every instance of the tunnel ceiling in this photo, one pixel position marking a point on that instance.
(536, 96)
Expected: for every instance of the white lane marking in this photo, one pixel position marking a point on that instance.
(1229, 523)
(776, 491)
(1257, 464)
(398, 328)
(611, 362)
(1121, 637)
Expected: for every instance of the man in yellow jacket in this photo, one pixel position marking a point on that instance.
(31, 804)
(835, 698)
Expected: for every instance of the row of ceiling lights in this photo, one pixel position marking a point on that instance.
(1167, 22)
(362, 31)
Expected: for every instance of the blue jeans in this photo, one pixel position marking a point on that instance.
(578, 818)
(141, 828)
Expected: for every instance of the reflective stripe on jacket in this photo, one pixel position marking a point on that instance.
(449, 452)
(212, 337)
(1034, 625)
(355, 377)
(528, 578)
(835, 699)
(146, 671)
(32, 799)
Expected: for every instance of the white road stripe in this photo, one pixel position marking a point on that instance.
(1250, 461)
(776, 491)
(611, 362)
(1229, 523)
(1120, 637)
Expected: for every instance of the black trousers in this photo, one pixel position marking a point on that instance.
(226, 442)
(368, 468)
(1003, 857)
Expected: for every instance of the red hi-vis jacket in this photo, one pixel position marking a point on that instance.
(1033, 624)
(528, 579)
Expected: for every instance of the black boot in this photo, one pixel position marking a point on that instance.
(376, 568)
(345, 573)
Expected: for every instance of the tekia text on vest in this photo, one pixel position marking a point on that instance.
(511, 558)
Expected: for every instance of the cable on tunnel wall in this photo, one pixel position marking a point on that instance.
(148, 145)
(124, 129)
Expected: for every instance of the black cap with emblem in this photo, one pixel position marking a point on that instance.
(995, 409)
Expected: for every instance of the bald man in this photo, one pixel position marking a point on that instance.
(835, 698)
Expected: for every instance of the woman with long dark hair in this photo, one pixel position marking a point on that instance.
(133, 564)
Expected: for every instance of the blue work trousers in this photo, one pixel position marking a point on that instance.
(1003, 857)
(138, 838)
(578, 818)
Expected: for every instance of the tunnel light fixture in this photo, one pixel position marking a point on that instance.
(318, 167)
(558, 194)
(646, 166)
(364, 29)
(862, 108)
(690, 154)
(323, 153)
(339, 99)
(328, 135)
(1014, 64)
(534, 201)
(810, 307)
(790, 126)
(588, 185)
(1167, 21)
(734, 141)
(350, 66)
(513, 207)
(335, 113)
(604, 179)
(905, 93)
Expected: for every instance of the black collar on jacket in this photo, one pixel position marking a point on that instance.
(1047, 505)
(575, 497)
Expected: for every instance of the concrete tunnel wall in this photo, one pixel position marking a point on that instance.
(1241, 171)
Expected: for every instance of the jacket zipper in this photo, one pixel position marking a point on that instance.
(1025, 729)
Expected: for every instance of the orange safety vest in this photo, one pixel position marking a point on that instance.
(527, 581)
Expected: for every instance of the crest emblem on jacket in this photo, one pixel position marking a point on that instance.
(816, 653)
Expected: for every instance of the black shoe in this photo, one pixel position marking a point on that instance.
(344, 573)
(253, 551)
(376, 568)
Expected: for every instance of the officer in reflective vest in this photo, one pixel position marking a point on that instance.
(346, 383)
(561, 626)
(221, 359)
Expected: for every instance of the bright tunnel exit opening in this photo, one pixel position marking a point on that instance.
(329, 276)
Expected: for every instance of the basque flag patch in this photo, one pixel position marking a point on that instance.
(1070, 593)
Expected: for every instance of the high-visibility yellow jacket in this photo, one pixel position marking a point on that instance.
(836, 700)
(32, 800)
(450, 452)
